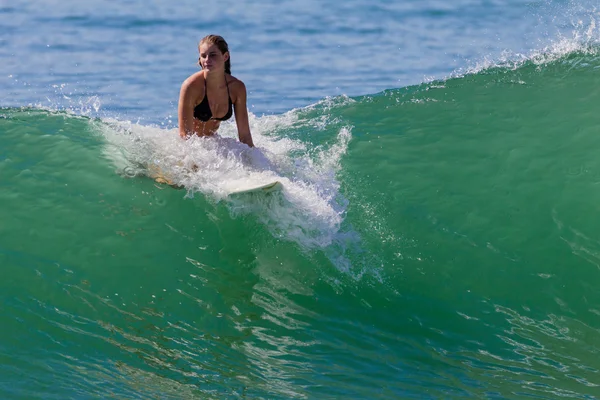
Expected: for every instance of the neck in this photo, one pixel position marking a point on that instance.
(215, 78)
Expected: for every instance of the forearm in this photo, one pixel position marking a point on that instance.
(247, 139)
(186, 127)
(183, 133)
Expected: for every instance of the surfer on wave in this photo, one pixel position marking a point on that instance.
(212, 95)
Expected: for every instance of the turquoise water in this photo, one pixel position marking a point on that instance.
(435, 237)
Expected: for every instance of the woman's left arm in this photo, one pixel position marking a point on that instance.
(241, 116)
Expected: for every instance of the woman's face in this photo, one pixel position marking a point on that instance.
(211, 58)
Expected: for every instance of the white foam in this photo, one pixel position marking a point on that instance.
(309, 210)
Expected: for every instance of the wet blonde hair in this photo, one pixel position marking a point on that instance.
(221, 44)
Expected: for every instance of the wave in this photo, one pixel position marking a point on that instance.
(328, 155)
(450, 223)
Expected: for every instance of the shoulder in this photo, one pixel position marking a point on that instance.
(236, 87)
(235, 84)
(192, 89)
(193, 82)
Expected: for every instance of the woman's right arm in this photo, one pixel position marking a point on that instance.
(185, 110)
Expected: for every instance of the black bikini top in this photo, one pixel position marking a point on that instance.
(202, 111)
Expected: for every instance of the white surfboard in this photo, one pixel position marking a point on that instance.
(266, 188)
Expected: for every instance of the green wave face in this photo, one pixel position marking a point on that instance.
(437, 239)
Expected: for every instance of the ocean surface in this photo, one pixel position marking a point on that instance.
(437, 235)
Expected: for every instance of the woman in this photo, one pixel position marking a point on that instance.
(212, 94)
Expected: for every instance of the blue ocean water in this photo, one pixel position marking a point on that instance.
(435, 237)
(129, 59)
